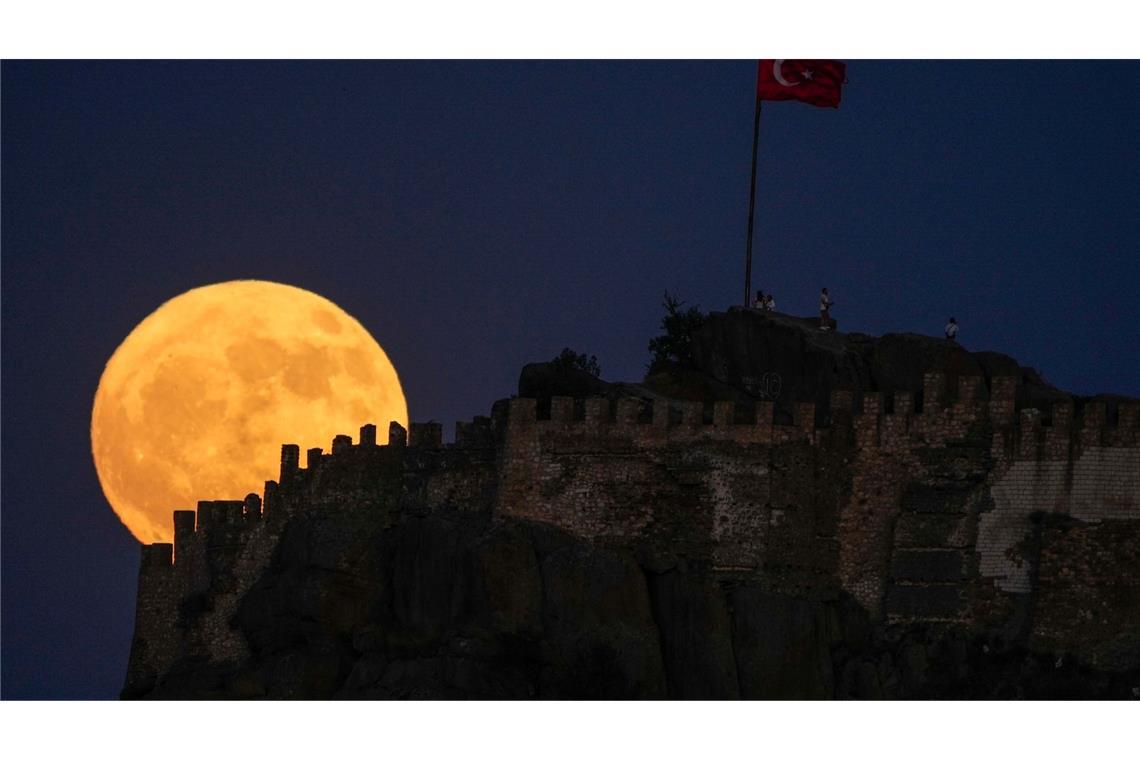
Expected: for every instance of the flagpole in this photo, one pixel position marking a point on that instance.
(752, 201)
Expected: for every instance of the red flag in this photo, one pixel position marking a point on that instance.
(814, 82)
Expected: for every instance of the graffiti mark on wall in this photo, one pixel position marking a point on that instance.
(766, 387)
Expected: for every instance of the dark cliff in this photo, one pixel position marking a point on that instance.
(800, 515)
(786, 359)
(443, 607)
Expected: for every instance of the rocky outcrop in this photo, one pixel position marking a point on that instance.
(745, 356)
(776, 357)
(445, 607)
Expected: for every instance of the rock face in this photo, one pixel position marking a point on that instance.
(971, 532)
(775, 357)
(445, 607)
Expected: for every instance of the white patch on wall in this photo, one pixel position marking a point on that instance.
(1103, 483)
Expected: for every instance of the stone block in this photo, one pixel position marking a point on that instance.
(561, 409)
(927, 565)
(927, 529)
(924, 601)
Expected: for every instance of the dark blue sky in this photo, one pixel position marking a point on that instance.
(478, 216)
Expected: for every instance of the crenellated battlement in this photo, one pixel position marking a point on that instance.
(157, 556)
(872, 419)
(232, 517)
(869, 420)
(661, 422)
(1064, 431)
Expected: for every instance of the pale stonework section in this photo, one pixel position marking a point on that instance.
(739, 488)
(1103, 483)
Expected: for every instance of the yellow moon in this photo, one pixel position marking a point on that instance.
(198, 399)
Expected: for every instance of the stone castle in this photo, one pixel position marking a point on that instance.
(951, 506)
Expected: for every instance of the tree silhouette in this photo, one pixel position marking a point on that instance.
(675, 348)
(573, 360)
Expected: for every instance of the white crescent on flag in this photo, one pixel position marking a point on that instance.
(777, 65)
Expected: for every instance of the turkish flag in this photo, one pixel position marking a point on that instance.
(814, 82)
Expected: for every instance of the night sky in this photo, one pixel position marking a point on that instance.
(478, 216)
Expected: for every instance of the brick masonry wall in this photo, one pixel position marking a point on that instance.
(189, 593)
(1088, 590)
(930, 514)
(919, 515)
(1098, 483)
(739, 497)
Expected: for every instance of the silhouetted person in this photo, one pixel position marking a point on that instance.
(769, 302)
(952, 330)
(758, 301)
(825, 304)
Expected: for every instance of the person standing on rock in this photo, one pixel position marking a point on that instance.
(952, 330)
(825, 304)
(758, 302)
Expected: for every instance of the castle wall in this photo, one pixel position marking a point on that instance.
(1088, 590)
(156, 642)
(918, 514)
(1096, 484)
(956, 510)
(189, 592)
(687, 484)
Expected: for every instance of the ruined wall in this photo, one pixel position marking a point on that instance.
(737, 494)
(189, 592)
(156, 642)
(942, 504)
(1088, 589)
(920, 514)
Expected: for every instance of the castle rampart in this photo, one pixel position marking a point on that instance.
(923, 505)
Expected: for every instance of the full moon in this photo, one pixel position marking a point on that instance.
(198, 399)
